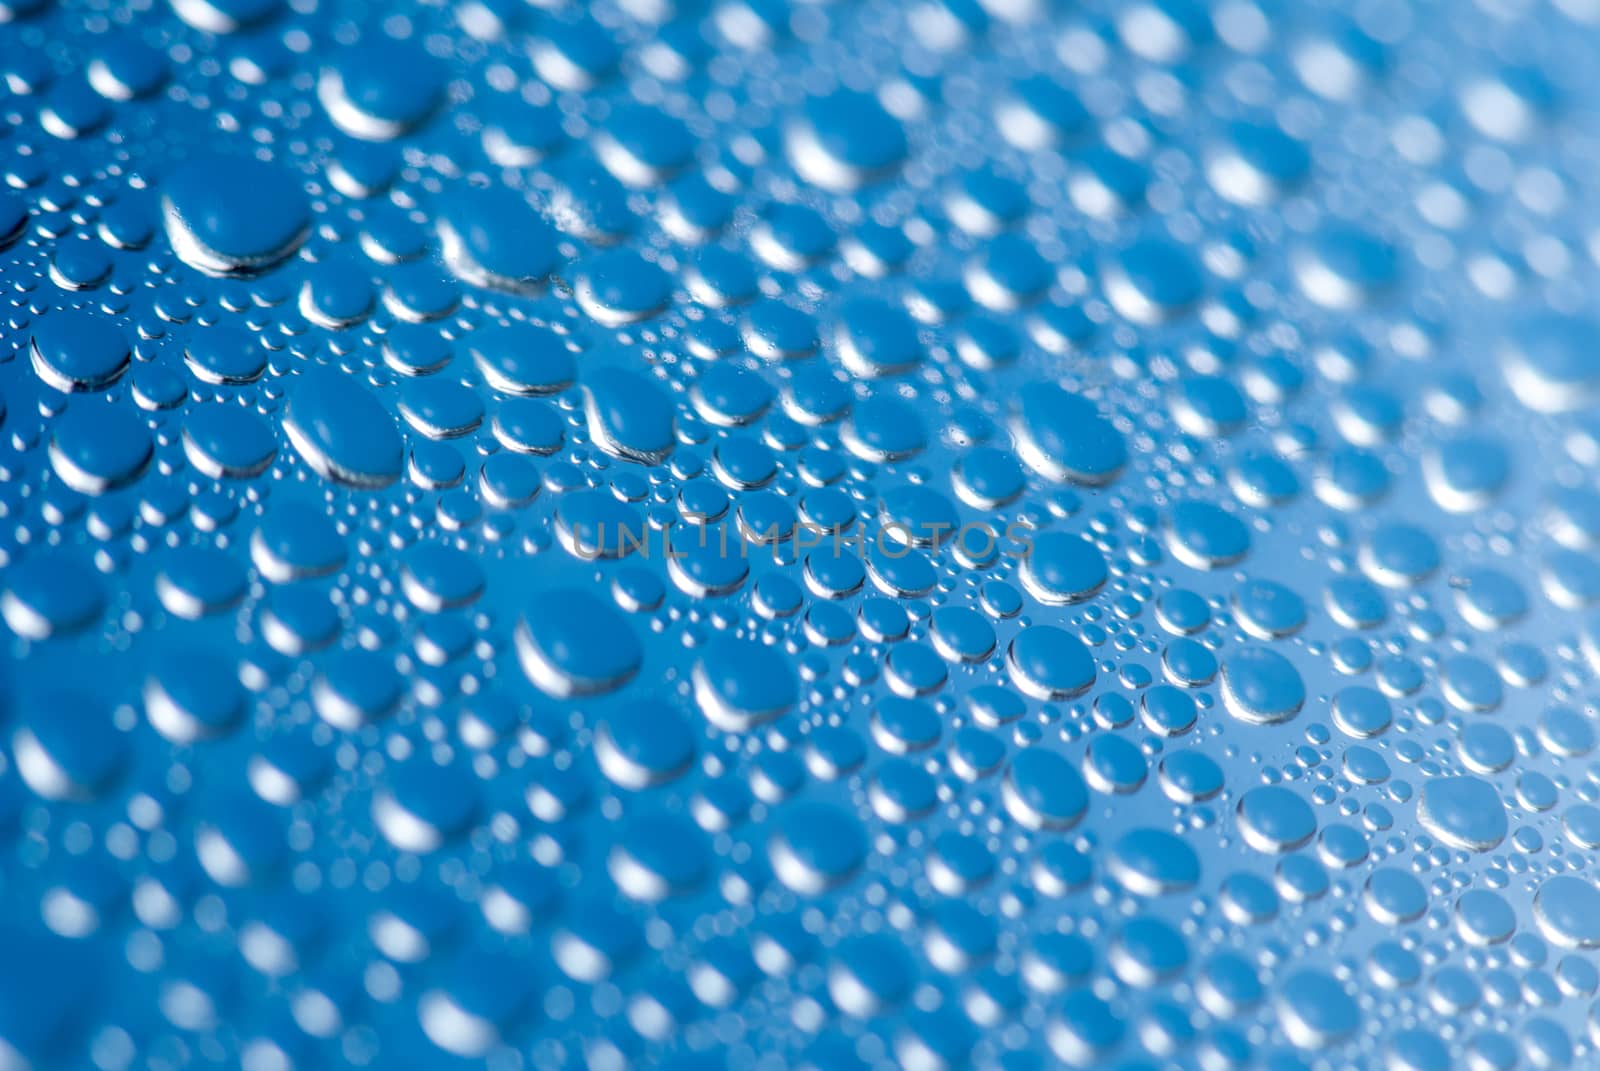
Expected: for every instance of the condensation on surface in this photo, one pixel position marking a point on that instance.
(741, 535)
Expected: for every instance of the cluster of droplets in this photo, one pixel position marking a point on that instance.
(739, 535)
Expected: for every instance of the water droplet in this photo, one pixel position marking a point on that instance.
(572, 644)
(231, 215)
(342, 431)
(1464, 812)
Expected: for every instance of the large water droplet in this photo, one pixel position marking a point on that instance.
(234, 214)
(1464, 812)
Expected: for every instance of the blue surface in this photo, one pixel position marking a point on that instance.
(741, 535)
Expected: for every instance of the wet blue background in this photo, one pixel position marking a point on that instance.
(341, 730)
